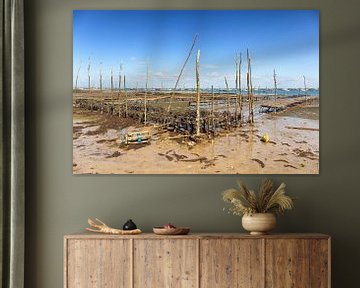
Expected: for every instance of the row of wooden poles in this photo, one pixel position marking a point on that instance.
(238, 105)
(238, 99)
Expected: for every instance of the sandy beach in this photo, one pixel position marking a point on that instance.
(97, 149)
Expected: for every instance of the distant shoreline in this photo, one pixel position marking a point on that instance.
(281, 92)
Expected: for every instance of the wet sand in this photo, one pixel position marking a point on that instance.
(239, 151)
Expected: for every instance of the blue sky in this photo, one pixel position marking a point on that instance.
(287, 40)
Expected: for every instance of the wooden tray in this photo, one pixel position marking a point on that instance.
(171, 231)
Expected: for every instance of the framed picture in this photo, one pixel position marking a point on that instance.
(196, 92)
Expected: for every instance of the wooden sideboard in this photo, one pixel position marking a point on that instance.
(197, 260)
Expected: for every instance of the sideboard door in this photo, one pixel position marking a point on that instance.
(231, 263)
(287, 263)
(98, 263)
(297, 263)
(320, 263)
(165, 263)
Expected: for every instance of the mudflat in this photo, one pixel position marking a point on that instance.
(293, 146)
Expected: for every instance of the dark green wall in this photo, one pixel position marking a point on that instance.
(59, 203)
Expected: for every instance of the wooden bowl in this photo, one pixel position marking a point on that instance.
(171, 231)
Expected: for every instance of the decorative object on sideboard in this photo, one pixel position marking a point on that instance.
(258, 210)
(101, 227)
(169, 229)
(259, 223)
(129, 225)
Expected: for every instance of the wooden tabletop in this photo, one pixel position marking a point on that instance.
(88, 235)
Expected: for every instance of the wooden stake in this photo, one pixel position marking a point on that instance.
(101, 89)
(126, 100)
(236, 72)
(248, 83)
(237, 87)
(146, 90)
(212, 108)
(198, 93)
(119, 92)
(112, 90)
(240, 96)
(77, 77)
(275, 88)
(250, 89)
(89, 77)
(305, 88)
(228, 96)
(181, 71)
(303, 128)
(89, 84)
(251, 94)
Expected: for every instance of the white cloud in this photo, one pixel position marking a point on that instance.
(158, 74)
(212, 74)
(209, 66)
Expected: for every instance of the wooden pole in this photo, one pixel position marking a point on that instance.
(305, 89)
(236, 72)
(101, 89)
(146, 91)
(181, 71)
(112, 90)
(240, 96)
(212, 108)
(119, 92)
(228, 96)
(275, 89)
(77, 77)
(251, 110)
(89, 76)
(89, 84)
(198, 93)
(250, 89)
(126, 100)
(237, 87)
(248, 82)
(227, 102)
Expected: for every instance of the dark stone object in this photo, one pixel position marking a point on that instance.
(129, 225)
